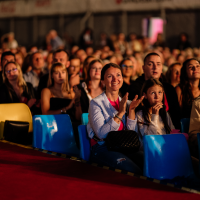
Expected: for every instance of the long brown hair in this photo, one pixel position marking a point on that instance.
(145, 104)
(187, 96)
(51, 80)
(88, 80)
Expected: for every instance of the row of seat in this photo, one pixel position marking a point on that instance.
(165, 156)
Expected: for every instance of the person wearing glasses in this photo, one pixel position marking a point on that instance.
(127, 71)
(93, 86)
(14, 88)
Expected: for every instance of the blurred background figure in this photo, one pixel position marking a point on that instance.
(173, 74)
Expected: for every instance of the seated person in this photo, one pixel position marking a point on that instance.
(153, 69)
(173, 74)
(152, 119)
(107, 113)
(14, 88)
(127, 71)
(58, 97)
(189, 87)
(33, 76)
(93, 86)
(6, 56)
(194, 128)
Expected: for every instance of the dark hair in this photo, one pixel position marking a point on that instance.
(32, 55)
(60, 50)
(121, 63)
(88, 74)
(26, 63)
(7, 53)
(169, 71)
(85, 65)
(187, 96)
(150, 54)
(107, 66)
(145, 104)
(72, 57)
(125, 59)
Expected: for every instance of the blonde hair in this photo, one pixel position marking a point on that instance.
(21, 81)
(50, 83)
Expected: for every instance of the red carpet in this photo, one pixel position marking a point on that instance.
(27, 174)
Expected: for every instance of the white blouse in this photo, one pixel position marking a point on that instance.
(156, 126)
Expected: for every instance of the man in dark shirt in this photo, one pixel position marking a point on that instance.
(153, 69)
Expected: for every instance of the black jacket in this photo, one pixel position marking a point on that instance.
(5, 97)
(172, 99)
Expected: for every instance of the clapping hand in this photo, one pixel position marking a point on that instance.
(122, 104)
(134, 104)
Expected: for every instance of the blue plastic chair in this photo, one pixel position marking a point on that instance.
(166, 157)
(185, 123)
(84, 143)
(54, 133)
(84, 118)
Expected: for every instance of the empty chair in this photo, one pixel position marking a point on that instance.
(84, 143)
(166, 156)
(84, 118)
(15, 112)
(185, 123)
(54, 133)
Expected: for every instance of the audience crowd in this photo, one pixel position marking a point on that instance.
(122, 83)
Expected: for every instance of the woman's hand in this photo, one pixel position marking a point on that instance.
(122, 105)
(156, 108)
(134, 104)
(70, 105)
(31, 102)
(77, 93)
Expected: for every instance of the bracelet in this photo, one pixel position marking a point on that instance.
(118, 117)
(63, 111)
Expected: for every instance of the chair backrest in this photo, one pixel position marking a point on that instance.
(84, 118)
(16, 112)
(166, 156)
(185, 123)
(84, 143)
(54, 133)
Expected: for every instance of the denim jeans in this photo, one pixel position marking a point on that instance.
(132, 162)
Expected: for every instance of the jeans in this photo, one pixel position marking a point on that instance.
(132, 162)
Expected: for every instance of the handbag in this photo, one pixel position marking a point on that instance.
(126, 141)
(17, 132)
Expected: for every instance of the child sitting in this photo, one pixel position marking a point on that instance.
(152, 119)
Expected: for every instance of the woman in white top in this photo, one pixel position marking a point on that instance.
(93, 86)
(152, 119)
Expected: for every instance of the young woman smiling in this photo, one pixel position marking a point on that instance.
(189, 87)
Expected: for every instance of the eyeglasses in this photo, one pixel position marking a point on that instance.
(12, 70)
(126, 66)
(96, 69)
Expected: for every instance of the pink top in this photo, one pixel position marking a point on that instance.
(166, 103)
(115, 104)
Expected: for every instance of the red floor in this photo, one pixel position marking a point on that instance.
(27, 174)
